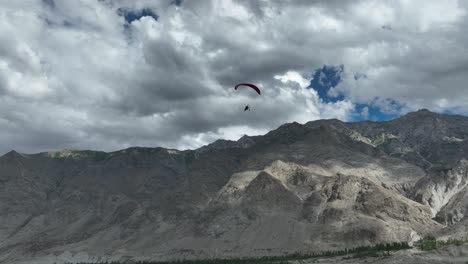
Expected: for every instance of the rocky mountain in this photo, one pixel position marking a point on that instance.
(317, 186)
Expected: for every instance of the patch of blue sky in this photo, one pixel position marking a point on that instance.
(328, 77)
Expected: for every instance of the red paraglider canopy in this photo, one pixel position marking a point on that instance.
(248, 85)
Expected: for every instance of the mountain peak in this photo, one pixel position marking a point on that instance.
(420, 113)
(12, 154)
(424, 111)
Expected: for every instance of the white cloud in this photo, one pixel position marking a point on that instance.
(365, 112)
(292, 76)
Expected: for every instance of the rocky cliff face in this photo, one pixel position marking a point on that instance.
(322, 185)
(440, 186)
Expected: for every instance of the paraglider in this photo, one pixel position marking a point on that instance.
(254, 87)
(248, 85)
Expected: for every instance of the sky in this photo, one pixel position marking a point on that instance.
(111, 74)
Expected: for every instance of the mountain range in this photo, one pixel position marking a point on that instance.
(310, 187)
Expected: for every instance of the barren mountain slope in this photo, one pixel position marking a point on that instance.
(323, 185)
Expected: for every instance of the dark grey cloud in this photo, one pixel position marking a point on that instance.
(49, 3)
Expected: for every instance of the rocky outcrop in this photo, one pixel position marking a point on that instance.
(440, 186)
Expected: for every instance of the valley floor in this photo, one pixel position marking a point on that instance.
(453, 254)
(449, 254)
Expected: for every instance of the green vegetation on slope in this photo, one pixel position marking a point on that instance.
(364, 251)
(431, 243)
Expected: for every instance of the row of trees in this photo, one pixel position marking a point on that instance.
(355, 252)
(431, 243)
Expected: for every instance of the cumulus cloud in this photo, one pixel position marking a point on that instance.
(110, 74)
